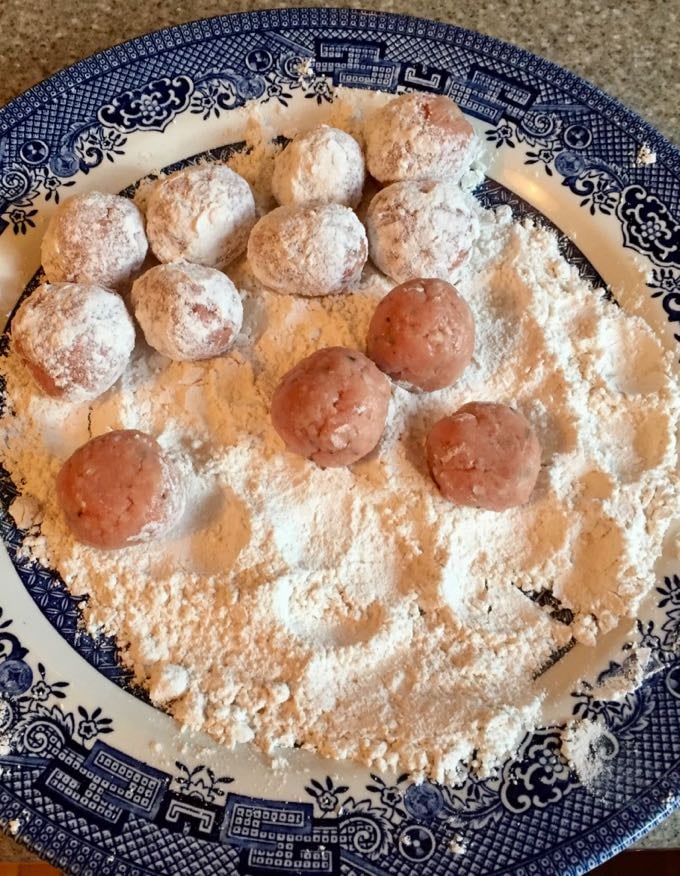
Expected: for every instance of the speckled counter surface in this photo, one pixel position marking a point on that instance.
(631, 50)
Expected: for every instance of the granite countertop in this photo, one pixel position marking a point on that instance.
(631, 50)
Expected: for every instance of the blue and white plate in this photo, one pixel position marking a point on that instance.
(93, 778)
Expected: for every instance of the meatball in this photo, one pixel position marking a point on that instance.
(422, 333)
(308, 250)
(323, 166)
(418, 136)
(120, 489)
(95, 238)
(485, 455)
(187, 311)
(202, 214)
(332, 406)
(76, 340)
(420, 229)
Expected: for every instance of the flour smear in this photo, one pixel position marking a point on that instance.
(354, 612)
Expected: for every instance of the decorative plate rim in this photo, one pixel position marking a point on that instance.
(598, 848)
(664, 146)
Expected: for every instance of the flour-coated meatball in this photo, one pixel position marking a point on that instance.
(422, 333)
(76, 340)
(331, 407)
(485, 455)
(120, 489)
(418, 136)
(308, 251)
(94, 238)
(420, 229)
(186, 311)
(203, 214)
(322, 166)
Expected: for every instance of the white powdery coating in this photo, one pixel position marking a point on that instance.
(323, 166)
(588, 746)
(167, 682)
(404, 140)
(94, 238)
(587, 743)
(354, 611)
(308, 250)
(421, 229)
(202, 214)
(187, 311)
(170, 506)
(79, 336)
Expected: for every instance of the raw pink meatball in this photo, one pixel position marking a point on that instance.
(418, 136)
(76, 340)
(308, 250)
(331, 407)
(420, 229)
(322, 166)
(485, 455)
(186, 311)
(422, 333)
(202, 214)
(94, 238)
(120, 489)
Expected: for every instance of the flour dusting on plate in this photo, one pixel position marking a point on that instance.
(355, 612)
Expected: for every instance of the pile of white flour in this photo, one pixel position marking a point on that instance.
(354, 611)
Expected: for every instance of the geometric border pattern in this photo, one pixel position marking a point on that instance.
(566, 129)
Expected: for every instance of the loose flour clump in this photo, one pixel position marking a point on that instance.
(588, 747)
(355, 612)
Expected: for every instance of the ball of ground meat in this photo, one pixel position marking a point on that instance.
(420, 229)
(203, 214)
(76, 340)
(485, 455)
(331, 407)
(323, 166)
(418, 136)
(186, 311)
(120, 489)
(308, 250)
(423, 334)
(95, 238)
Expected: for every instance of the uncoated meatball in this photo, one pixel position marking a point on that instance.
(187, 312)
(95, 238)
(202, 214)
(418, 136)
(308, 250)
(76, 340)
(420, 229)
(422, 333)
(332, 406)
(120, 489)
(485, 455)
(322, 166)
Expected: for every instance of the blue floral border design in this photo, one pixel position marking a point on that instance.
(564, 126)
(85, 805)
(48, 591)
(571, 130)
